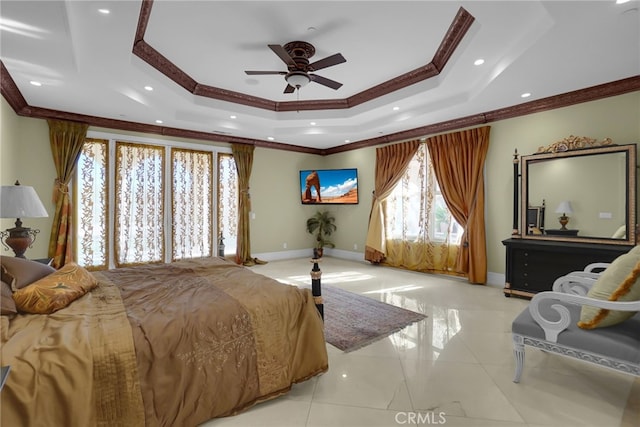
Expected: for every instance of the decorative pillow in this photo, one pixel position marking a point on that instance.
(55, 291)
(22, 272)
(619, 282)
(7, 305)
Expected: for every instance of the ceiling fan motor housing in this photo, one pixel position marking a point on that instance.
(300, 49)
(300, 52)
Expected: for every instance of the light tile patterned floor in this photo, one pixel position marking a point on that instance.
(454, 368)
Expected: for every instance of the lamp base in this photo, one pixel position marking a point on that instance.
(19, 239)
(564, 220)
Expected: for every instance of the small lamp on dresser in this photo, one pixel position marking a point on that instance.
(564, 208)
(20, 201)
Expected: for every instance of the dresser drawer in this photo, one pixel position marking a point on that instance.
(532, 267)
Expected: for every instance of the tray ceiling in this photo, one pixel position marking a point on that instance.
(410, 65)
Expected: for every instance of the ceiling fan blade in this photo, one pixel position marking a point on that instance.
(327, 62)
(283, 54)
(253, 73)
(325, 81)
(289, 89)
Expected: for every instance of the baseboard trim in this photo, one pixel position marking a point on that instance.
(493, 279)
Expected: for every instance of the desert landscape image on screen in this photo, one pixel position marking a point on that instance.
(329, 186)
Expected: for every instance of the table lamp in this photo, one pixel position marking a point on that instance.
(20, 201)
(564, 208)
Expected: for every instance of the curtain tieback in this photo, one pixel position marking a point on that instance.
(59, 187)
(246, 192)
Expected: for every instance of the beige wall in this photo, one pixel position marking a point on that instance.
(25, 155)
(615, 117)
(279, 215)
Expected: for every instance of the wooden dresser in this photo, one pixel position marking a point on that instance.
(533, 265)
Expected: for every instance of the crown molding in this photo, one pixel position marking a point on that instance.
(451, 40)
(12, 95)
(593, 93)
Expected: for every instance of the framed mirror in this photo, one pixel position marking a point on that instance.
(589, 195)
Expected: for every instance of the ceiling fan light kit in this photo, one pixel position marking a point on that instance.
(296, 55)
(297, 79)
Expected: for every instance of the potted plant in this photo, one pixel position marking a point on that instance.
(321, 224)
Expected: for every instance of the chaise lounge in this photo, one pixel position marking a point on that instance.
(591, 316)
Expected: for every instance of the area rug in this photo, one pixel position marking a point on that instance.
(352, 321)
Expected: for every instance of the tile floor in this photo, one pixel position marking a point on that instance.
(454, 368)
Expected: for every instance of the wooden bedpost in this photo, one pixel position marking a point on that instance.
(316, 288)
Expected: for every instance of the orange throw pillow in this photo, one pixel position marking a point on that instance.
(55, 291)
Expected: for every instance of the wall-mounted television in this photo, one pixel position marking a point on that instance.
(329, 186)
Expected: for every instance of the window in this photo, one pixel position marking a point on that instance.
(227, 202)
(141, 207)
(421, 233)
(192, 203)
(92, 189)
(139, 204)
(416, 209)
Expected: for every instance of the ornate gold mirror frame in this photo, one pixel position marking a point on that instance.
(588, 188)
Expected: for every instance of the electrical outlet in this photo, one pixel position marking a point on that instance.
(284, 245)
(355, 246)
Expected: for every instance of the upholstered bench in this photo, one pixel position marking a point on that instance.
(610, 332)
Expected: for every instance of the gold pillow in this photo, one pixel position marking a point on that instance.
(619, 282)
(55, 291)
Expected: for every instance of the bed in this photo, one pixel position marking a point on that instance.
(159, 345)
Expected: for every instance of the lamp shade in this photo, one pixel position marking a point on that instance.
(20, 201)
(297, 79)
(564, 207)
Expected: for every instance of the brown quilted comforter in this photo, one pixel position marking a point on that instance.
(185, 342)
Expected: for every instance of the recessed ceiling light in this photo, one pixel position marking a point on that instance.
(525, 95)
(35, 83)
(347, 140)
(149, 88)
(104, 11)
(621, 1)
(159, 121)
(396, 108)
(270, 138)
(479, 61)
(232, 117)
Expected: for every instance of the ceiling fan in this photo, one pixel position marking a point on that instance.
(296, 55)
